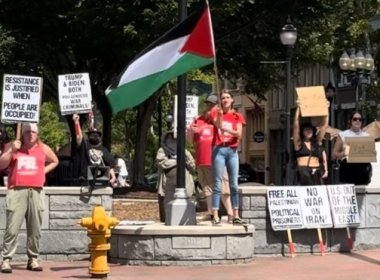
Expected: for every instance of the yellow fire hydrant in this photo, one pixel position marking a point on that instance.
(99, 230)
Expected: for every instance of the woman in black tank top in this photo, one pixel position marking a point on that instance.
(309, 152)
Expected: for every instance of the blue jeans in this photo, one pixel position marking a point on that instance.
(225, 157)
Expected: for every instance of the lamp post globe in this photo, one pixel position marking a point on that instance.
(344, 61)
(369, 62)
(360, 60)
(288, 34)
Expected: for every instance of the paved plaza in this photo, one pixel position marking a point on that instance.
(333, 266)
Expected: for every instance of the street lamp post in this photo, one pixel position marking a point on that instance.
(357, 68)
(288, 38)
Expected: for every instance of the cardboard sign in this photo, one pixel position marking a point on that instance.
(373, 129)
(361, 149)
(312, 101)
(74, 93)
(315, 207)
(21, 99)
(344, 206)
(284, 208)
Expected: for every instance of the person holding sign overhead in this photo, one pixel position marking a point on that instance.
(91, 152)
(28, 160)
(355, 173)
(228, 127)
(309, 151)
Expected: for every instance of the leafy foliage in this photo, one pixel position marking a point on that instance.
(52, 131)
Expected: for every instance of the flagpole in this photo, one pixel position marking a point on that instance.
(181, 211)
(217, 87)
(181, 115)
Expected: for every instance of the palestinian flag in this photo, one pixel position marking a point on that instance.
(187, 46)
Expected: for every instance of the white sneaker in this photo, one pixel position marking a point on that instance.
(6, 266)
(33, 265)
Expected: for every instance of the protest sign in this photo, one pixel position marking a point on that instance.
(21, 99)
(191, 110)
(312, 101)
(315, 207)
(361, 149)
(74, 93)
(284, 208)
(375, 179)
(344, 206)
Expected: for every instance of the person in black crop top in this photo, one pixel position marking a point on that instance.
(309, 151)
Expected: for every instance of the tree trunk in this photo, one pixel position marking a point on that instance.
(144, 114)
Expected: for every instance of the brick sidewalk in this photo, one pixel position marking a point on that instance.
(333, 266)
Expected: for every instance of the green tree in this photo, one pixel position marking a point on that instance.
(52, 131)
(47, 38)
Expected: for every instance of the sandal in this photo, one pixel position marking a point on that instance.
(230, 219)
(238, 221)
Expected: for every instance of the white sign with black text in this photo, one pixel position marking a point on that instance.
(74, 93)
(191, 110)
(21, 99)
(344, 205)
(315, 207)
(284, 208)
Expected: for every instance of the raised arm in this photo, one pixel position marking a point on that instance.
(78, 130)
(325, 165)
(323, 128)
(296, 129)
(190, 131)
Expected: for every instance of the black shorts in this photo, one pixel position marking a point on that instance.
(308, 176)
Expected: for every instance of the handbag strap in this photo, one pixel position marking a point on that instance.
(311, 149)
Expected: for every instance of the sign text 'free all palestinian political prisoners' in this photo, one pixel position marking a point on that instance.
(344, 206)
(74, 93)
(21, 98)
(284, 208)
(312, 206)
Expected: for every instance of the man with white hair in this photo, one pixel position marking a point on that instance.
(28, 161)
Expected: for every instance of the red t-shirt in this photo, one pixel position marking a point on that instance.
(203, 141)
(229, 121)
(27, 168)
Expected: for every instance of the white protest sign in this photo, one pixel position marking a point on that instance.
(315, 207)
(344, 206)
(21, 99)
(191, 110)
(284, 208)
(375, 179)
(74, 93)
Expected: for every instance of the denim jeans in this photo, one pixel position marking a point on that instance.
(225, 157)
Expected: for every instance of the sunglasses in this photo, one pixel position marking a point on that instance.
(357, 119)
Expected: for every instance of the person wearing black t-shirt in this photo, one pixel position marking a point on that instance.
(91, 152)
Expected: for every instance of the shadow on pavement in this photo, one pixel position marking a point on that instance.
(363, 258)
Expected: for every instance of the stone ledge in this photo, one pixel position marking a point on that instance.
(202, 244)
(56, 190)
(203, 228)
